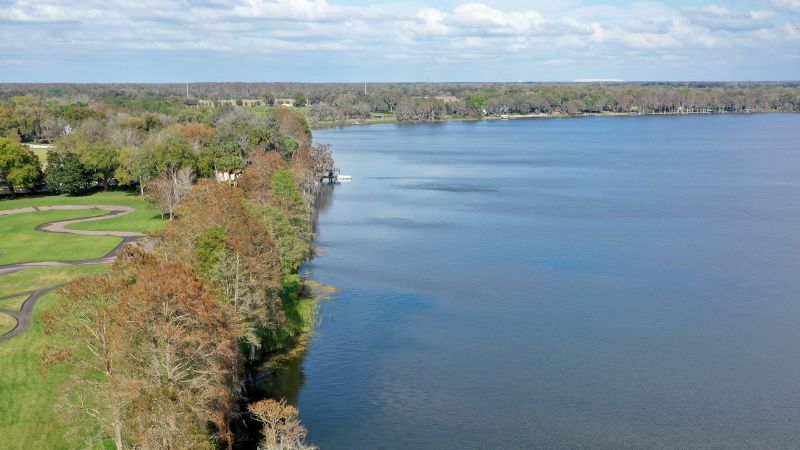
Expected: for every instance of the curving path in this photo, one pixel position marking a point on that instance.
(24, 317)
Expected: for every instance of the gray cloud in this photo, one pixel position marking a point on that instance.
(792, 6)
(720, 18)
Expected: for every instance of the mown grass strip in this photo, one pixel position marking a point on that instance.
(13, 303)
(23, 243)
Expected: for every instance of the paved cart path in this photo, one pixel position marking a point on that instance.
(24, 316)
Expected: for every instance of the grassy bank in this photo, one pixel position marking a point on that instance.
(27, 396)
(40, 277)
(7, 323)
(27, 418)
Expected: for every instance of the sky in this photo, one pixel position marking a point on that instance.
(394, 41)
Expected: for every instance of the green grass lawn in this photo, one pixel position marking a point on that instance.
(7, 323)
(41, 277)
(143, 219)
(22, 243)
(13, 303)
(27, 393)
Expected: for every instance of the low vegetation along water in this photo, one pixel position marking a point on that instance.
(599, 282)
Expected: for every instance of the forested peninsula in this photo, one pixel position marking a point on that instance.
(158, 348)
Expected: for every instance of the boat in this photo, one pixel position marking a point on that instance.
(344, 178)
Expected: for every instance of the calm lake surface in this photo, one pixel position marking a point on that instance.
(598, 282)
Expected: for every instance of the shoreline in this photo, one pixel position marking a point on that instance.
(383, 121)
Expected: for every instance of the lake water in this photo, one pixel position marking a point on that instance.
(598, 282)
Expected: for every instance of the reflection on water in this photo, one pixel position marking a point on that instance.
(283, 377)
(322, 202)
(590, 283)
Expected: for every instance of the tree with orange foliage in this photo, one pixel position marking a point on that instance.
(184, 352)
(277, 201)
(257, 177)
(156, 355)
(216, 232)
(98, 395)
(293, 124)
(199, 135)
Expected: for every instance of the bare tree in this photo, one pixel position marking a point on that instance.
(53, 128)
(124, 136)
(89, 319)
(166, 191)
(281, 429)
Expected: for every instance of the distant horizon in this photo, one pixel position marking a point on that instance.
(117, 41)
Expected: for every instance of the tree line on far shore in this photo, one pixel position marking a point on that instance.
(405, 101)
(139, 133)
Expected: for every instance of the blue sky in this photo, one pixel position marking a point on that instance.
(412, 40)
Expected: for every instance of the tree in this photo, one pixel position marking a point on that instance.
(199, 135)
(299, 99)
(244, 128)
(216, 231)
(152, 121)
(97, 396)
(65, 173)
(53, 128)
(183, 351)
(222, 157)
(123, 136)
(101, 162)
(19, 166)
(406, 109)
(78, 112)
(154, 355)
(136, 166)
(321, 112)
(277, 201)
(476, 105)
(30, 111)
(257, 177)
(281, 430)
(166, 191)
(173, 154)
(9, 122)
(292, 124)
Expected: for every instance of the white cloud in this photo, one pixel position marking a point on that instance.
(543, 32)
(478, 15)
(431, 21)
(715, 17)
(300, 10)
